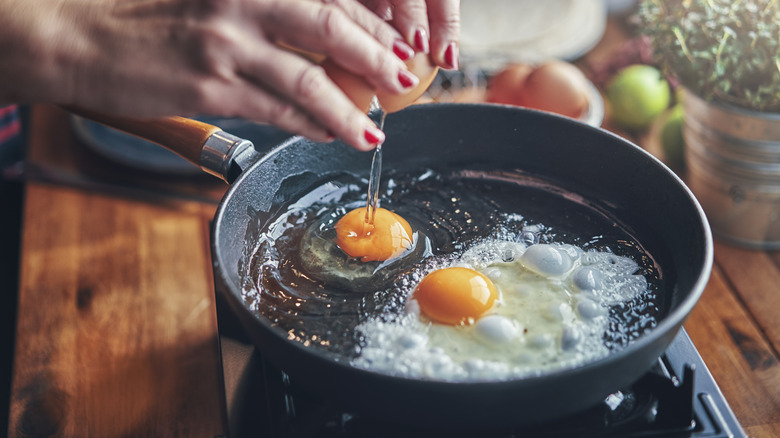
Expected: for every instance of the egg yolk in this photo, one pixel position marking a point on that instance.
(455, 295)
(388, 236)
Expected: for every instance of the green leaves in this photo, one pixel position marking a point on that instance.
(719, 49)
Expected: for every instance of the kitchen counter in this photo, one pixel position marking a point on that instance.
(116, 324)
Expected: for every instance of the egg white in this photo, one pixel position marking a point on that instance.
(551, 313)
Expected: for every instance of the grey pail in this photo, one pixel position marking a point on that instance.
(733, 158)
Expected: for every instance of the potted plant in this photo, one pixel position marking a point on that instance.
(726, 56)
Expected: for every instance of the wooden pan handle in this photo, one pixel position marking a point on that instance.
(181, 135)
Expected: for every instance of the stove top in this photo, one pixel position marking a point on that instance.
(677, 398)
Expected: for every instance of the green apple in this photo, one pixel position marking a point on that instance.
(672, 141)
(637, 95)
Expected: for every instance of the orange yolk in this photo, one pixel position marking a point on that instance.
(389, 236)
(455, 295)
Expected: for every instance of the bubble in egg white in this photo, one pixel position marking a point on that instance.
(480, 256)
(587, 278)
(542, 341)
(559, 312)
(474, 365)
(496, 329)
(529, 237)
(545, 259)
(570, 337)
(571, 250)
(493, 273)
(411, 340)
(587, 309)
(441, 365)
(509, 255)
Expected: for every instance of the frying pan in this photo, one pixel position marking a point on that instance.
(626, 182)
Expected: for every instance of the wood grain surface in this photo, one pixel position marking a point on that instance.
(117, 328)
(731, 327)
(116, 331)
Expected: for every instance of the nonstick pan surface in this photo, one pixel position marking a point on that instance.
(623, 180)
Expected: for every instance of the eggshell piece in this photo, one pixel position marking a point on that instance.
(360, 92)
(421, 66)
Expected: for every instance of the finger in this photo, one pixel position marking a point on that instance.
(373, 18)
(444, 21)
(373, 21)
(328, 29)
(254, 103)
(308, 87)
(382, 8)
(410, 17)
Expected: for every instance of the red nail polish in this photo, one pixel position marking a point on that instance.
(451, 56)
(421, 41)
(407, 79)
(374, 135)
(402, 50)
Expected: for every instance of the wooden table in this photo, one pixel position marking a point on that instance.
(117, 332)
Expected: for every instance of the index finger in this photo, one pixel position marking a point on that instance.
(431, 26)
(444, 22)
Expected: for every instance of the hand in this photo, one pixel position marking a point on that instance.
(186, 57)
(429, 26)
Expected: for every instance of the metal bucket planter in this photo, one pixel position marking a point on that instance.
(733, 158)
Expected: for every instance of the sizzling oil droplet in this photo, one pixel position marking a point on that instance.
(373, 180)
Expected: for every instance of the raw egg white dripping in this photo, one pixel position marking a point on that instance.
(550, 311)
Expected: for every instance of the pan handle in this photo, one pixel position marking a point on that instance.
(202, 144)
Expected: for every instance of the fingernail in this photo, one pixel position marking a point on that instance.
(421, 43)
(407, 79)
(331, 136)
(402, 50)
(451, 56)
(374, 135)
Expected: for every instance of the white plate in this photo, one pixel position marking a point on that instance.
(495, 32)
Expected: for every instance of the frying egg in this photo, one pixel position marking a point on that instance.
(549, 311)
(455, 295)
(377, 253)
(387, 237)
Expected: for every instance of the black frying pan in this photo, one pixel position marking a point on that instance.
(625, 182)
